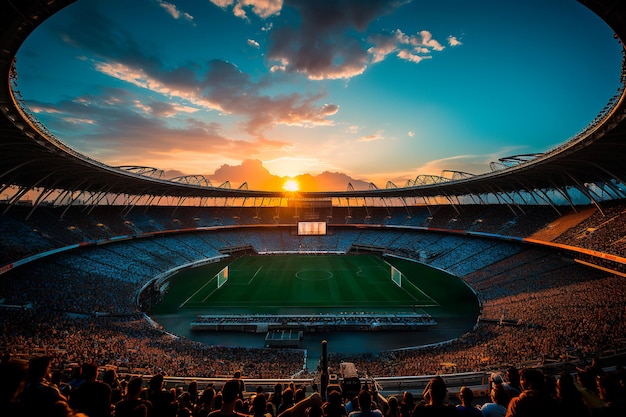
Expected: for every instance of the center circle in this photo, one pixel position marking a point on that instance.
(314, 275)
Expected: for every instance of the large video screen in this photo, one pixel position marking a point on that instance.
(311, 228)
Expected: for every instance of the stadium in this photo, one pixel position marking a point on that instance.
(535, 249)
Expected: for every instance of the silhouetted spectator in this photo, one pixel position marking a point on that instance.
(365, 406)
(434, 397)
(534, 401)
(499, 402)
(205, 403)
(230, 393)
(407, 404)
(39, 396)
(163, 405)
(334, 406)
(287, 400)
(467, 409)
(92, 397)
(512, 386)
(614, 396)
(259, 406)
(570, 399)
(277, 396)
(133, 404)
(12, 378)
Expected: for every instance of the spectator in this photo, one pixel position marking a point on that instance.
(230, 393)
(512, 386)
(39, 396)
(277, 396)
(110, 378)
(588, 389)
(499, 402)
(205, 403)
(534, 401)
(365, 406)
(92, 397)
(192, 389)
(163, 404)
(12, 378)
(570, 399)
(467, 409)
(185, 408)
(334, 406)
(407, 404)
(434, 397)
(287, 400)
(393, 407)
(133, 405)
(259, 406)
(614, 396)
(300, 409)
(242, 385)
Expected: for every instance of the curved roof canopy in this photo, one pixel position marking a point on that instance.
(31, 158)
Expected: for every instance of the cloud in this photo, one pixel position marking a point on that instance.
(173, 11)
(371, 138)
(259, 177)
(411, 134)
(215, 85)
(328, 43)
(261, 8)
(385, 44)
(253, 43)
(425, 39)
(408, 56)
(163, 109)
(78, 121)
(454, 41)
(117, 131)
(413, 48)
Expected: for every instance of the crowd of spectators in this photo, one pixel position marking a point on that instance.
(561, 310)
(30, 388)
(134, 345)
(559, 315)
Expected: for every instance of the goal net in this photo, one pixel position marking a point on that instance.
(222, 277)
(396, 276)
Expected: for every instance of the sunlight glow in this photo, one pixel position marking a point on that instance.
(291, 185)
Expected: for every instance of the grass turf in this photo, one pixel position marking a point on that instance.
(303, 284)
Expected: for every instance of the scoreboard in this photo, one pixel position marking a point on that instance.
(311, 228)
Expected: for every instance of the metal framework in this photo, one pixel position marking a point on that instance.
(32, 159)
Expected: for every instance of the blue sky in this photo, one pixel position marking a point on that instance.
(252, 90)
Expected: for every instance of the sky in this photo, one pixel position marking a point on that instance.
(328, 92)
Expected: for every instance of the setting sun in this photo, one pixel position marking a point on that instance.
(291, 185)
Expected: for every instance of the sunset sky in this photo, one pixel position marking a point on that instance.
(361, 90)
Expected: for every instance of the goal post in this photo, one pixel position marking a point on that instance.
(396, 276)
(222, 277)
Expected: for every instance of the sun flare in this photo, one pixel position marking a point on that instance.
(291, 185)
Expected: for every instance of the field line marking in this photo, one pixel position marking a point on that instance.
(255, 274)
(195, 293)
(207, 297)
(435, 303)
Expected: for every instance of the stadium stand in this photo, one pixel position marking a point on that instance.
(71, 281)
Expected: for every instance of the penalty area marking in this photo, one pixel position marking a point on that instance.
(196, 293)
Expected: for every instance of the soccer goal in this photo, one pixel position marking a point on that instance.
(396, 276)
(222, 277)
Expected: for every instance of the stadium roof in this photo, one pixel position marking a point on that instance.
(30, 157)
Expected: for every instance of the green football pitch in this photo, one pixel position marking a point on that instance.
(296, 284)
